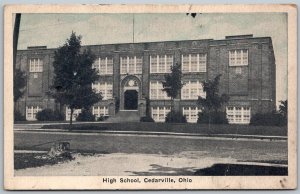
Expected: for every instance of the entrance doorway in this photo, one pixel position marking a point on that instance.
(130, 100)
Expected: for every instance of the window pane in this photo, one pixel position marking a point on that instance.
(153, 64)
(109, 66)
(185, 63)
(194, 63)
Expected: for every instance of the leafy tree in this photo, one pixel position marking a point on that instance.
(19, 84)
(74, 75)
(213, 102)
(283, 108)
(172, 84)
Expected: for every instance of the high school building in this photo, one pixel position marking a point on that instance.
(131, 73)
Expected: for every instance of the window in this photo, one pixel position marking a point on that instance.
(100, 111)
(104, 65)
(238, 115)
(192, 90)
(161, 63)
(238, 57)
(31, 112)
(159, 113)
(104, 88)
(191, 114)
(194, 63)
(131, 65)
(238, 70)
(76, 112)
(156, 91)
(35, 65)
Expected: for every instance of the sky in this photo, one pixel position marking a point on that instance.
(52, 30)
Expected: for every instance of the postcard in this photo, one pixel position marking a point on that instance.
(150, 97)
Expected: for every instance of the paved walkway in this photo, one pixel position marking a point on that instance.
(118, 164)
(156, 133)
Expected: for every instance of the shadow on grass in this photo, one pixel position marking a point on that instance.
(242, 170)
(158, 170)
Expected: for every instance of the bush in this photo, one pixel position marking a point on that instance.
(102, 118)
(215, 118)
(268, 119)
(85, 115)
(49, 115)
(146, 119)
(18, 116)
(175, 117)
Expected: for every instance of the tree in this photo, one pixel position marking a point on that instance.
(283, 109)
(172, 84)
(213, 101)
(19, 84)
(74, 75)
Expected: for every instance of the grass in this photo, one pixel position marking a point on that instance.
(29, 160)
(179, 128)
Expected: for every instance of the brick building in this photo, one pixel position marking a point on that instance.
(133, 72)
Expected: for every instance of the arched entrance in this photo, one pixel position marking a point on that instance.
(130, 100)
(130, 96)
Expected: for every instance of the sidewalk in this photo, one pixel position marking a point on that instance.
(156, 133)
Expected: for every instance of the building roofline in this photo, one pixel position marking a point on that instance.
(242, 37)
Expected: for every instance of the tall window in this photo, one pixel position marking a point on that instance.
(31, 112)
(156, 91)
(191, 114)
(194, 63)
(192, 90)
(104, 65)
(100, 111)
(131, 65)
(105, 89)
(238, 114)
(238, 57)
(76, 112)
(159, 113)
(35, 65)
(161, 63)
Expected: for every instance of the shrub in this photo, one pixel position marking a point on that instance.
(146, 119)
(215, 118)
(175, 117)
(102, 118)
(18, 116)
(85, 115)
(49, 115)
(268, 119)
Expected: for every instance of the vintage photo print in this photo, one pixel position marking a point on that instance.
(150, 97)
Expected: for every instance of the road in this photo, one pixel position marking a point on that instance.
(241, 150)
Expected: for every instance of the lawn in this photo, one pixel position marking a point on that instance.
(178, 128)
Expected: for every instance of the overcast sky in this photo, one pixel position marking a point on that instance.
(52, 30)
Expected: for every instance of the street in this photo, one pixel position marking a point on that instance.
(243, 149)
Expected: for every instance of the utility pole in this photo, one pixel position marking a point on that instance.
(133, 27)
(15, 38)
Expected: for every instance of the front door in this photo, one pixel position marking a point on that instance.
(131, 100)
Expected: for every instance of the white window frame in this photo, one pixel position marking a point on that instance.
(76, 112)
(187, 111)
(32, 110)
(106, 85)
(35, 65)
(234, 56)
(97, 110)
(200, 66)
(189, 86)
(157, 85)
(103, 68)
(245, 111)
(127, 65)
(166, 66)
(157, 109)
